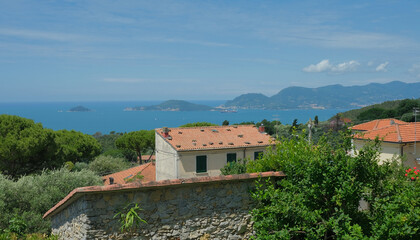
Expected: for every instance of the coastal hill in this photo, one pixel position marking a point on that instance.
(328, 97)
(173, 105)
(79, 109)
(399, 109)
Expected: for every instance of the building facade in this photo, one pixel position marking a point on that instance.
(203, 151)
(399, 139)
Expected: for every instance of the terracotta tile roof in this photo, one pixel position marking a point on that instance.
(376, 124)
(215, 137)
(398, 133)
(78, 192)
(148, 171)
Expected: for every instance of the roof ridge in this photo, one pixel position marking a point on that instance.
(397, 127)
(377, 123)
(125, 170)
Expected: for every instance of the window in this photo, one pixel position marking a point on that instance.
(231, 157)
(201, 164)
(258, 154)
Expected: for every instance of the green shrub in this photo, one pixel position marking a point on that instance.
(129, 155)
(237, 167)
(320, 197)
(79, 166)
(104, 165)
(31, 196)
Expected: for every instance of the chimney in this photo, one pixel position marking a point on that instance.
(111, 180)
(261, 129)
(165, 131)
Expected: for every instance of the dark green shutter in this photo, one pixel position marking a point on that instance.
(231, 157)
(201, 164)
(257, 155)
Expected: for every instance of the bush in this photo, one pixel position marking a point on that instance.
(79, 166)
(238, 167)
(129, 155)
(104, 165)
(320, 197)
(31, 196)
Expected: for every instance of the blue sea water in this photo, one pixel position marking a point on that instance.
(110, 116)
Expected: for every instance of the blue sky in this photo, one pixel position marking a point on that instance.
(200, 50)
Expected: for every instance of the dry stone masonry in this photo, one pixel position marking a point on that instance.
(200, 208)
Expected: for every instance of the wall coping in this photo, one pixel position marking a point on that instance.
(79, 192)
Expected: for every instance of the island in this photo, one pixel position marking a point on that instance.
(79, 109)
(173, 105)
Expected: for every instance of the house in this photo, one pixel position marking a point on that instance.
(398, 139)
(203, 151)
(376, 124)
(146, 171)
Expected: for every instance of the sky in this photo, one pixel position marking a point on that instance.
(102, 50)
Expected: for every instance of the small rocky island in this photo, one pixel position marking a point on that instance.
(79, 109)
(173, 105)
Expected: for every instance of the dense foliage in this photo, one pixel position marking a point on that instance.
(23, 202)
(400, 109)
(141, 142)
(107, 141)
(26, 147)
(103, 165)
(320, 197)
(76, 146)
(198, 124)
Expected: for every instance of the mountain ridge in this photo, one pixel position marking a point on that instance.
(327, 97)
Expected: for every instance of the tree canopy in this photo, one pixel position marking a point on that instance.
(198, 124)
(26, 147)
(139, 141)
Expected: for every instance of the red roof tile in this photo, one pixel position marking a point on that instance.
(215, 137)
(76, 193)
(148, 171)
(399, 133)
(376, 124)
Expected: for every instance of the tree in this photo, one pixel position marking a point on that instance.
(76, 146)
(270, 127)
(198, 124)
(139, 141)
(225, 123)
(104, 165)
(316, 121)
(31, 196)
(320, 197)
(25, 146)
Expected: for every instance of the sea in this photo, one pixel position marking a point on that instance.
(110, 116)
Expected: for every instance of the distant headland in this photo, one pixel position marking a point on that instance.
(173, 105)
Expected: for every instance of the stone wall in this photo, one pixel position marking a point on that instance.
(206, 208)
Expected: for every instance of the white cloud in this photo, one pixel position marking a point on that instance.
(382, 67)
(326, 66)
(43, 35)
(345, 66)
(415, 69)
(322, 66)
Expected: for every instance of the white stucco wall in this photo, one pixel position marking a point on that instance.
(166, 158)
(216, 159)
(389, 150)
